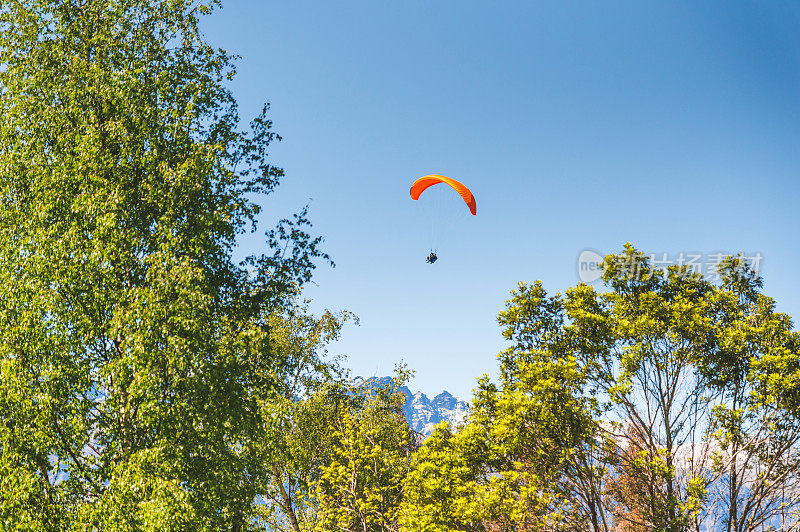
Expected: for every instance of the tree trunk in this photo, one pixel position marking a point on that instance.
(287, 501)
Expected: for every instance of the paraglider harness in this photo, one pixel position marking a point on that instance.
(431, 258)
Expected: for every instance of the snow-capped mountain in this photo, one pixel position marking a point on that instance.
(423, 413)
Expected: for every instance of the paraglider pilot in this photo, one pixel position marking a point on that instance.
(431, 258)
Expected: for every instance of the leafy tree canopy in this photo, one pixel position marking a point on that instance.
(663, 402)
(133, 348)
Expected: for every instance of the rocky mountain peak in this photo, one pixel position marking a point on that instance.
(422, 413)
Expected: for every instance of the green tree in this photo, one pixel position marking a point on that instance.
(754, 434)
(518, 464)
(440, 490)
(133, 348)
(683, 372)
(300, 414)
(361, 488)
(651, 405)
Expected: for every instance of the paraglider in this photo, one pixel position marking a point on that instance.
(421, 184)
(425, 182)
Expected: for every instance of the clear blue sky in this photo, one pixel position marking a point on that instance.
(672, 125)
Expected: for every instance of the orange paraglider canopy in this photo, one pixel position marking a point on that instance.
(429, 180)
